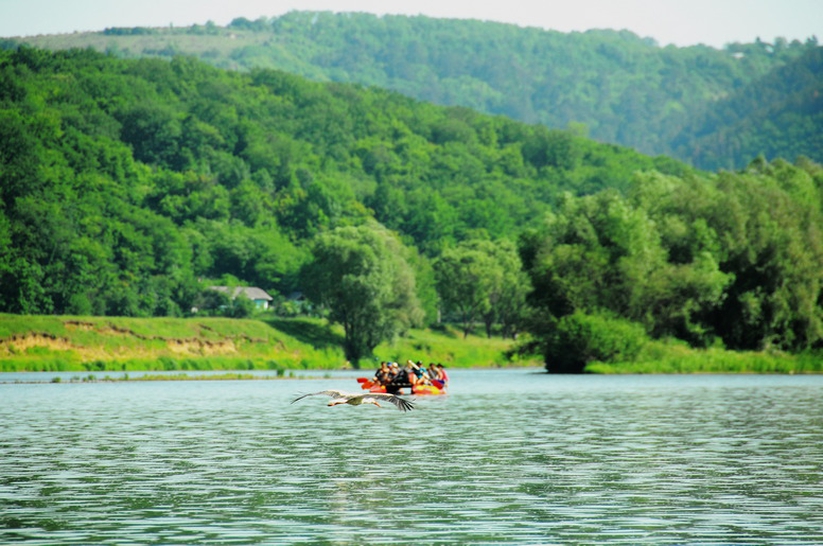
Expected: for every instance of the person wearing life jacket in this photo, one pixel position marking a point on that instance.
(418, 375)
(441, 372)
(381, 376)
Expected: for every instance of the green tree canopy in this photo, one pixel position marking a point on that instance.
(467, 278)
(735, 257)
(361, 275)
(717, 108)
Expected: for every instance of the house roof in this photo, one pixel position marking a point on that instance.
(251, 292)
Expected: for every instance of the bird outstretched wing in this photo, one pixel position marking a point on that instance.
(334, 393)
(358, 398)
(401, 403)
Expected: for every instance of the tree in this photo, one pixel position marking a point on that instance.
(361, 275)
(507, 285)
(467, 276)
(509, 299)
(772, 247)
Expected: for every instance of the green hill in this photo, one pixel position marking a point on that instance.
(699, 104)
(124, 181)
(129, 186)
(778, 115)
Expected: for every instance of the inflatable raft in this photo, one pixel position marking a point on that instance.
(437, 388)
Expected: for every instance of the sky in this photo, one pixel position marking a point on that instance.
(679, 22)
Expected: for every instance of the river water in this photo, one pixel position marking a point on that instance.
(508, 457)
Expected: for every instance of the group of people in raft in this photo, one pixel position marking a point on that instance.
(414, 374)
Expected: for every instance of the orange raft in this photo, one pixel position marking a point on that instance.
(369, 385)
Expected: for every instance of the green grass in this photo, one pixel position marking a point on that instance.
(227, 376)
(95, 344)
(217, 48)
(450, 348)
(668, 357)
(166, 345)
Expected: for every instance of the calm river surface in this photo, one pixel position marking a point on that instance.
(508, 457)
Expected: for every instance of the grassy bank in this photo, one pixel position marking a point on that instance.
(661, 357)
(100, 344)
(64, 343)
(177, 376)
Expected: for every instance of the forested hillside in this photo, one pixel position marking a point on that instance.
(126, 181)
(713, 108)
(779, 115)
(127, 186)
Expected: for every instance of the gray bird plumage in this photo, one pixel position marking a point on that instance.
(356, 399)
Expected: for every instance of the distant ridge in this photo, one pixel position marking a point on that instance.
(702, 105)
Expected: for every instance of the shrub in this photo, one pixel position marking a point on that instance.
(167, 363)
(96, 366)
(582, 338)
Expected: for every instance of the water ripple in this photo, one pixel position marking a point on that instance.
(508, 457)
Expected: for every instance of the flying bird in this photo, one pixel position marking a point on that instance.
(356, 399)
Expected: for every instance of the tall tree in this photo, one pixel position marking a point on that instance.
(506, 283)
(361, 275)
(467, 277)
(509, 299)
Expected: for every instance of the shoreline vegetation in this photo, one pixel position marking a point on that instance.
(238, 346)
(175, 376)
(44, 343)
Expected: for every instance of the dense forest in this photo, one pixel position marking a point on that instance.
(128, 185)
(710, 108)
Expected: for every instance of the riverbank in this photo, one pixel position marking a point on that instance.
(676, 357)
(125, 377)
(99, 344)
(120, 344)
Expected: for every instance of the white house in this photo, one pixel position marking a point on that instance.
(257, 295)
